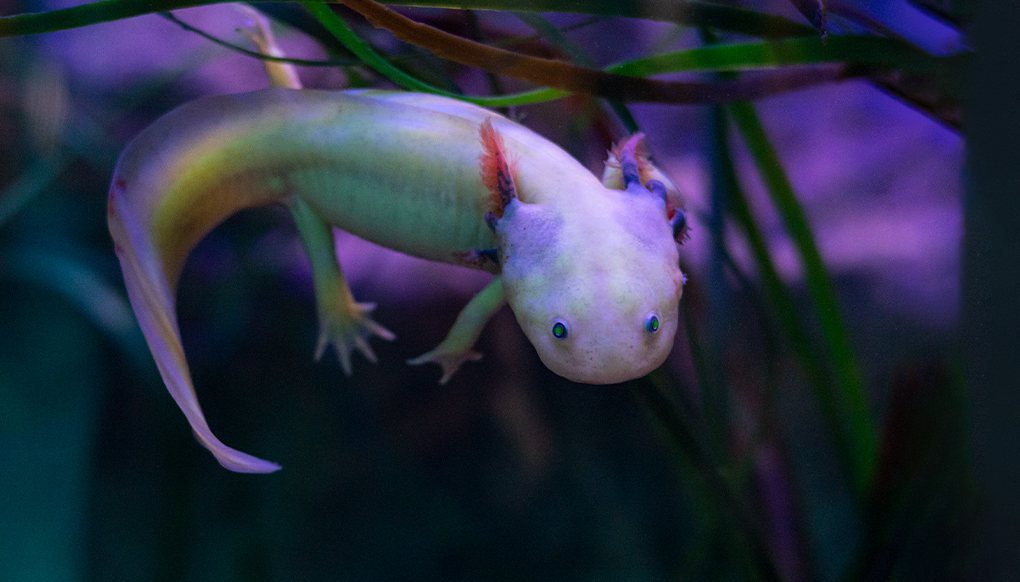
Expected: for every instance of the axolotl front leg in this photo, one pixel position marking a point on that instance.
(497, 175)
(457, 347)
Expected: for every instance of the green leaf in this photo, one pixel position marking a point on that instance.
(29, 185)
(360, 48)
(692, 452)
(786, 311)
(82, 286)
(690, 13)
(694, 13)
(857, 50)
(850, 400)
(578, 55)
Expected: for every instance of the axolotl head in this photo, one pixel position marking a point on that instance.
(596, 289)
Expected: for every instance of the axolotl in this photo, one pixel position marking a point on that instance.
(589, 267)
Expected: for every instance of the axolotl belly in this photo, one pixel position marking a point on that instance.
(589, 267)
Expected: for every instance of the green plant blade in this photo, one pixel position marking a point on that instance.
(83, 287)
(693, 13)
(746, 530)
(850, 398)
(852, 49)
(789, 322)
(578, 55)
(360, 48)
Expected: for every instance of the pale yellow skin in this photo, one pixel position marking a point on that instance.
(400, 170)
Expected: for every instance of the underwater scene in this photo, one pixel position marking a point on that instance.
(486, 290)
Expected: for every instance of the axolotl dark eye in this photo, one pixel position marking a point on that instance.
(559, 329)
(652, 323)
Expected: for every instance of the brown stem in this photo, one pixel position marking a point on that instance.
(561, 75)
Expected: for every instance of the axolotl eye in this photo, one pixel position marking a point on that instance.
(559, 329)
(652, 323)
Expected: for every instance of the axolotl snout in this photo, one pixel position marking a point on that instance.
(590, 267)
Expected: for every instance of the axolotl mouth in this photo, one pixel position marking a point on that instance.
(600, 344)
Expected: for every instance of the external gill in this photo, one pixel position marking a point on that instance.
(629, 166)
(497, 170)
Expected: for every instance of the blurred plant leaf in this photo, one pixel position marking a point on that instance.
(568, 77)
(83, 287)
(31, 183)
(776, 292)
(850, 49)
(264, 57)
(51, 396)
(956, 12)
(336, 25)
(939, 93)
(578, 55)
(855, 14)
(294, 15)
(815, 11)
(850, 398)
(784, 307)
(745, 530)
(551, 73)
(923, 456)
(716, 396)
(692, 13)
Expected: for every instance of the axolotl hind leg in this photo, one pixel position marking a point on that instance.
(342, 321)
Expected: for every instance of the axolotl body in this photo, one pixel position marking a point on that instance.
(589, 267)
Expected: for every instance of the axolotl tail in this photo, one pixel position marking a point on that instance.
(173, 184)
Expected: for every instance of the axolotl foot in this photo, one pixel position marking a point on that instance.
(447, 356)
(456, 348)
(348, 330)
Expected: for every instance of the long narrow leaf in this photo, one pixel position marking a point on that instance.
(850, 399)
(856, 50)
(789, 321)
(577, 54)
(29, 185)
(263, 57)
(561, 75)
(82, 286)
(360, 48)
(691, 13)
(747, 530)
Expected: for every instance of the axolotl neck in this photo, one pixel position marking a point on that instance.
(592, 275)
